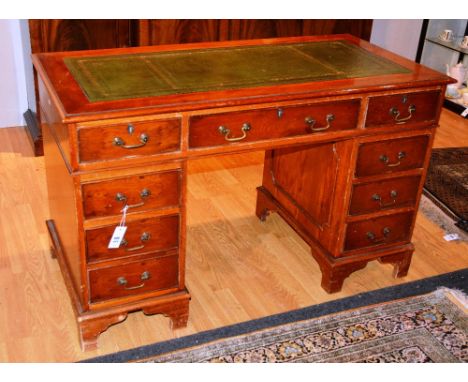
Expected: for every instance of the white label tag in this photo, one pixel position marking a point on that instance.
(451, 237)
(117, 237)
(464, 112)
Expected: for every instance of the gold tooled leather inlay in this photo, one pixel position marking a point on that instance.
(113, 77)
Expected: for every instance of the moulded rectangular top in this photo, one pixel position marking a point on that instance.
(107, 83)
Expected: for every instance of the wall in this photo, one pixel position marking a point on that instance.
(13, 94)
(28, 66)
(398, 36)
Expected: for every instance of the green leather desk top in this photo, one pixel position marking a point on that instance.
(187, 71)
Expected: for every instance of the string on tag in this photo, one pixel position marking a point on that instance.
(124, 216)
(119, 231)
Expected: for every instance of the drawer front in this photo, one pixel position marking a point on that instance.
(379, 231)
(382, 195)
(391, 156)
(125, 140)
(142, 236)
(279, 122)
(140, 192)
(133, 278)
(402, 109)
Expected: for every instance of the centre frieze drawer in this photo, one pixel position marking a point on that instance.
(271, 123)
(142, 236)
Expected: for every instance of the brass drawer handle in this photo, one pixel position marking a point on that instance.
(311, 122)
(378, 198)
(145, 236)
(371, 236)
(225, 131)
(121, 143)
(384, 158)
(122, 281)
(145, 193)
(395, 113)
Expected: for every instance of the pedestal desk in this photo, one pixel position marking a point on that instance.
(347, 128)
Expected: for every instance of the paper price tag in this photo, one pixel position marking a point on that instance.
(117, 237)
(451, 237)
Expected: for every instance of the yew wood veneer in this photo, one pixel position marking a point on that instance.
(347, 128)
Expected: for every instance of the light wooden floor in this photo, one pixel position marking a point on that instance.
(237, 267)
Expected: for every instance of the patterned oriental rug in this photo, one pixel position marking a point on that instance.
(428, 328)
(447, 183)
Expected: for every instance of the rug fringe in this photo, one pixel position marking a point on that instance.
(457, 294)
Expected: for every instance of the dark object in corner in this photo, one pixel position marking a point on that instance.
(34, 132)
(462, 224)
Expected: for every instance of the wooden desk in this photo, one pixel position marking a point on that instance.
(347, 128)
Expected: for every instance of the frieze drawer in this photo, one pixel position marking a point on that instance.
(401, 109)
(125, 140)
(271, 123)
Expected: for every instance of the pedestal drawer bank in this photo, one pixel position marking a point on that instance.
(347, 130)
